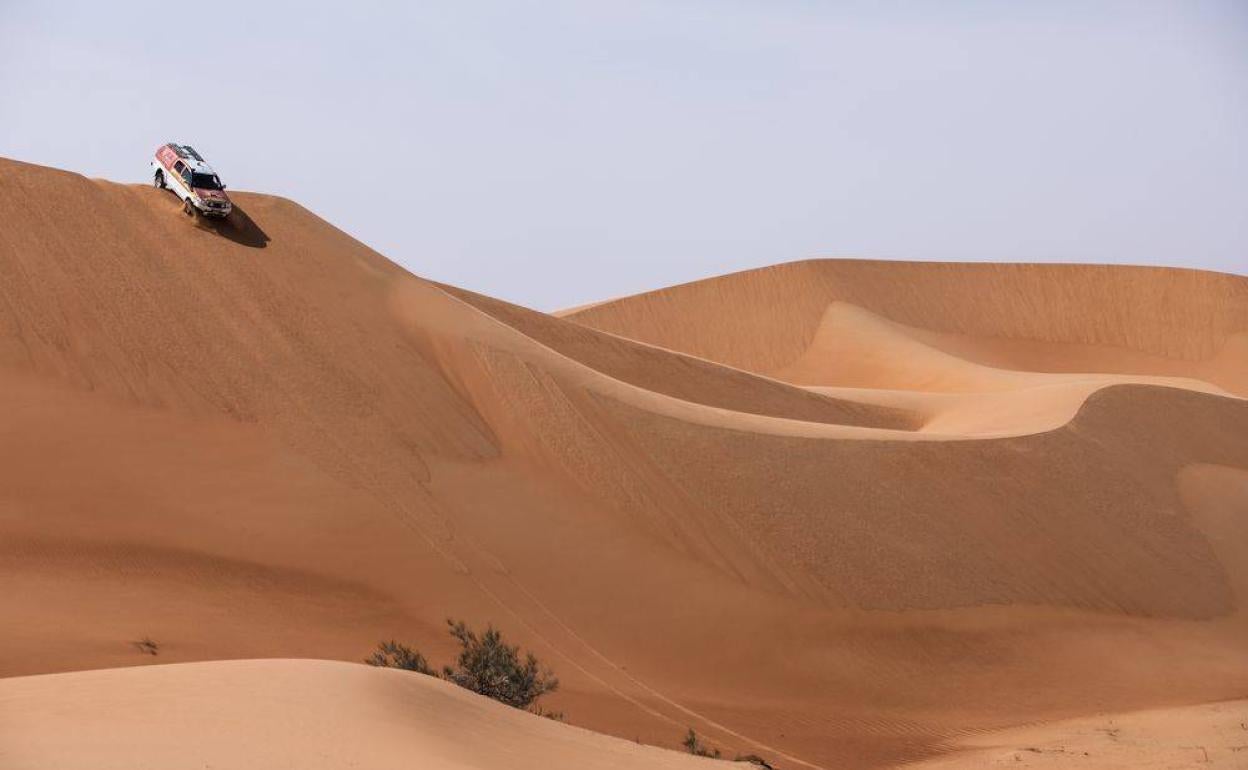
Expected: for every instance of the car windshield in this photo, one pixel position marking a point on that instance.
(205, 181)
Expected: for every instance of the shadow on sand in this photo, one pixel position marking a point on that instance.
(238, 227)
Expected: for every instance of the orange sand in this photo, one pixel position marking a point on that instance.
(835, 513)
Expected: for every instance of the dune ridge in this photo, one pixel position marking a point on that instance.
(1040, 317)
(835, 513)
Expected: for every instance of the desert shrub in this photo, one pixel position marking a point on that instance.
(696, 746)
(489, 666)
(486, 665)
(557, 716)
(391, 654)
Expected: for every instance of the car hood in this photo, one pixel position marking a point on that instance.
(211, 195)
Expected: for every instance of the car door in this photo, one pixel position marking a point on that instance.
(183, 179)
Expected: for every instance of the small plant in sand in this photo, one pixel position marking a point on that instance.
(486, 665)
(696, 747)
(391, 654)
(147, 646)
(755, 760)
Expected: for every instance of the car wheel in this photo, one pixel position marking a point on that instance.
(159, 180)
(187, 207)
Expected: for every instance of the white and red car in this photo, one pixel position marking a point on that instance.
(179, 168)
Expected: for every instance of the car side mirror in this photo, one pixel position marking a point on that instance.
(223, 186)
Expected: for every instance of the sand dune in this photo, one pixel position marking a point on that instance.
(836, 514)
(1125, 320)
(288, 713)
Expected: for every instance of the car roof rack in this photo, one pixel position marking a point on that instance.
(185, 152)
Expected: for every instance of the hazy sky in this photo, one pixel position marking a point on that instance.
(557, 152)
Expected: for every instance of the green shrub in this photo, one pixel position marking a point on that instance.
(486, 665)
(489, 666)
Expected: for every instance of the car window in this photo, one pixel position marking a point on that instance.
(205, 181)
(178, 167)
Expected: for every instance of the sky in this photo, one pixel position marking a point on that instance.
(561, 152)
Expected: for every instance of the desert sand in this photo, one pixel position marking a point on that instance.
(835, 513)
(289, 713)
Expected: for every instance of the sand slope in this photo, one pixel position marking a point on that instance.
(837, 514)
(1210, 736)
(288, 713)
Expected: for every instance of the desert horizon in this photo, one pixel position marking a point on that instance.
(835, 513)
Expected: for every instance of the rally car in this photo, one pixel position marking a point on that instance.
(179, 168)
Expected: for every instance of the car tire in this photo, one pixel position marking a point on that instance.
(158, 181)
(188, 208)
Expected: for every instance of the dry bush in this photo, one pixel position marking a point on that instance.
(486, 665)
(489, 666)
(391, 654)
